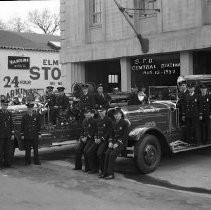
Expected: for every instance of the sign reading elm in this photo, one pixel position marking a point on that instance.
(15, 62)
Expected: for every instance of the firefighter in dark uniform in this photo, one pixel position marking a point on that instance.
(50, 100)
(89, 127)
(96, 152)
(117, 143)
(62, 103)
(6, 135)
(30, 129)
(87, 101)
(191, 116)
(101, 99)
(183, 92)
(204, 114)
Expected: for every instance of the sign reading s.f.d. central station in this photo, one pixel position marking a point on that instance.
(23, 73)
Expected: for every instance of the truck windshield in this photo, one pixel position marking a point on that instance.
(160, 93)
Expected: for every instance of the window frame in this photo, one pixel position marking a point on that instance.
(95, 10)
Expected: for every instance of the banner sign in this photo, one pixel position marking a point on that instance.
(15, 62)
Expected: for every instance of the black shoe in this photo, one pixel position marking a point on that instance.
(27, 163)
(37, 163)
(92, 172)
(101, 176)
(86, 170)
(77, 169)
(109, 177)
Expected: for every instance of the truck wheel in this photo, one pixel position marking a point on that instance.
(147, 154)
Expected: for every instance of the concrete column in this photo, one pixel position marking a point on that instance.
(125, 74)
(73, 72)
(186, 63)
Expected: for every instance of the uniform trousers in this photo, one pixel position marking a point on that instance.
(81, 150)
(31, 143)
(193, 130)
(205, 130)
(96, 155)
(5, 150)
(110, 158)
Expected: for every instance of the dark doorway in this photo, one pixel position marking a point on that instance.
(202, 62)
(107, 73)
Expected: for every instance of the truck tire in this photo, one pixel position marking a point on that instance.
(147, 154)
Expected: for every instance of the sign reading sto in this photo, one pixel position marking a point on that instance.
(24, 73)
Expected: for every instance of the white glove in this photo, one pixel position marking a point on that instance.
(84, 139)
(22, 137)
(115, 146)
(110, 145)
(97, 141)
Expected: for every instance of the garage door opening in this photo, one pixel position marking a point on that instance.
(107, 73)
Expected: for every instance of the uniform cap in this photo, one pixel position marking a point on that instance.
(101, 109)
(203, 86)
(30, 105)
(49, 87)
(60, 89)
(117, 110)
(181, 80)
(89, 110)
(100, 85)
(191, 85)
(84, 86)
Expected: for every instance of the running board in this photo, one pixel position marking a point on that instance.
(190, 148)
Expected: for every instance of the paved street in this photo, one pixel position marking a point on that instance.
(181, 182)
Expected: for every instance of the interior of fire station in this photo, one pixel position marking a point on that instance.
(107, 73)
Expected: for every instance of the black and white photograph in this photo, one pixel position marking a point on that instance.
(105, 104)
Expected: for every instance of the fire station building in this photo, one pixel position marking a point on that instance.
(99, 45)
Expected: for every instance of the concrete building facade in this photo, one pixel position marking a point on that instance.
(98, 44)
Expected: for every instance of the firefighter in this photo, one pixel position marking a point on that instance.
(50, 100)
(204, 114)
(191, 116)
(30, 130)
(6, 135)
(117, 143)
(101, 99)
(183, 92)
(62, 101)
(87, 101)
(96, 151)
(89, 127)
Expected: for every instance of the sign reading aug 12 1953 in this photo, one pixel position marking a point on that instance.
(15, 62)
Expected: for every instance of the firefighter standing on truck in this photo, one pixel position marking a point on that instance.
(30, 129)
(101, 99)
(183, 92)
(204, 114)
(50, 100)
(6, 135)
(89, 127)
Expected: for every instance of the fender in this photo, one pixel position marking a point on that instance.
(137, 133)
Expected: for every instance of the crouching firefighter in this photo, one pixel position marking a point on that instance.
(30, 128)
(89, 126)
(96, 152)
(117, 143)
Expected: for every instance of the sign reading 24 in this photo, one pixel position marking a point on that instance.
(11, 81)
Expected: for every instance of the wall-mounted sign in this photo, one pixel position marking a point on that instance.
(15, 62)
(155, 70)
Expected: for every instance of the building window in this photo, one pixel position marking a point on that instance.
(112, 79)
(96, 12)
(147, 7)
